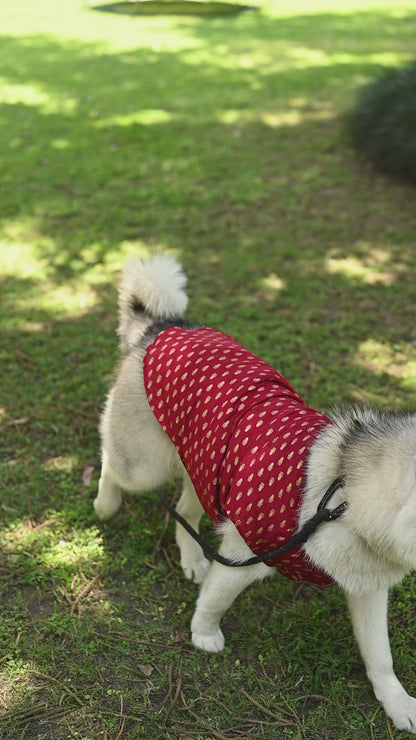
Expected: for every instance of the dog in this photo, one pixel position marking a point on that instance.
(189, 401)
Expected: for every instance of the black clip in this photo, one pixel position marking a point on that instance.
(327, 514)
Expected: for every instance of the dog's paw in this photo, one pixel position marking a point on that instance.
(195, 570)
(106, 508)
(213, 643)
(403, 712)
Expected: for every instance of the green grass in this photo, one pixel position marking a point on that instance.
(222, 140)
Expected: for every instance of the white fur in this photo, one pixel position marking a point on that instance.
(369, 549)
(158, 283)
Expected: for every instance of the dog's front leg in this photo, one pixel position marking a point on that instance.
(369, 618)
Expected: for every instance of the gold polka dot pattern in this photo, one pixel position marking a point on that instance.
(242, 432)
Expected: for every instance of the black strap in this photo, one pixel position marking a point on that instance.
(322, 515)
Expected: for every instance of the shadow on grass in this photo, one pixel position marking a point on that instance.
(113, 148)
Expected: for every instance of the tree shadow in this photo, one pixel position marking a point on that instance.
(155, 169)
(110, 149)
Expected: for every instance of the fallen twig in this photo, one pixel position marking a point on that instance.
(135, 641)
(88, 586)
(61, 684)
(268, 712)
(74, 603)
(177, 691)
(390, 729)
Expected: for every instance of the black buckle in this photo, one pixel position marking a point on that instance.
(328, 514)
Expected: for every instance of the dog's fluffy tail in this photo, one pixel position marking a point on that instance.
(150, 289)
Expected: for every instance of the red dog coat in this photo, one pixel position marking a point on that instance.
(243, 434)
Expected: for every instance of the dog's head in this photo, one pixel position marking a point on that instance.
(379, 463)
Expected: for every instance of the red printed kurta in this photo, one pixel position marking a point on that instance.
(243, 434)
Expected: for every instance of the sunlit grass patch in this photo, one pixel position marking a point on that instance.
(19, 256)
(374, 266)
(16, 682)
(51, 547)
(45, 101)
(397, 360)
(145, 117)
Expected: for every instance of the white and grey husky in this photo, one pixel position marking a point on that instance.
(368, 549)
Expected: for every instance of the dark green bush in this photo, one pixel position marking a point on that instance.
(383, 122)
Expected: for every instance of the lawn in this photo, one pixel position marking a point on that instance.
(222, 140)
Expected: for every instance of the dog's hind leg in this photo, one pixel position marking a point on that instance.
(193, 562)
(221, 587)
(108, 499)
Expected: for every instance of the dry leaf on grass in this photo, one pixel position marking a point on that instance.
(147, 670)
(87, 475)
